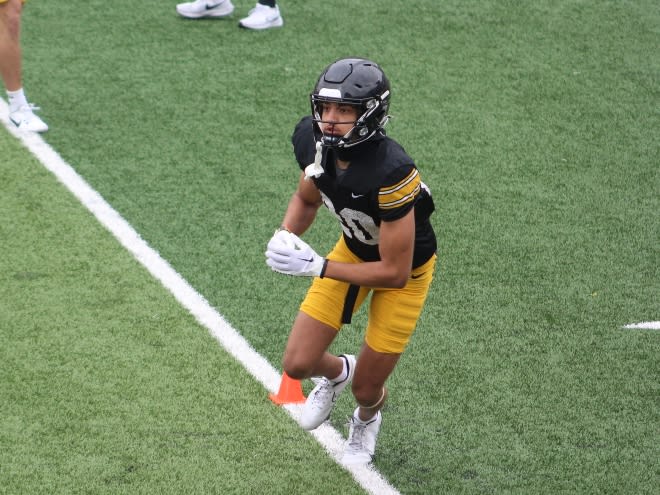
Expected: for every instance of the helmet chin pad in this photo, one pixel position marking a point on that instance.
(330, 140)
(335, 140)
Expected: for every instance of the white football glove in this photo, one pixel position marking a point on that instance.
(289, 254)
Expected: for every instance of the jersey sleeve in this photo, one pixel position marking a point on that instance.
(303, 142)
(399, 193)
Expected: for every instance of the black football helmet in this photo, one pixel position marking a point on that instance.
(353, 81)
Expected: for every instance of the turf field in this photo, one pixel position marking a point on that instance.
(536, 126)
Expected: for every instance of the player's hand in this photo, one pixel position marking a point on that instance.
(289, 254)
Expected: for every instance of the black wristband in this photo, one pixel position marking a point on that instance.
(325, 265)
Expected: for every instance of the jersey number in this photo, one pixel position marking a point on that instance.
(356, 224)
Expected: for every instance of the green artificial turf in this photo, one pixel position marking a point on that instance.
(534, 124)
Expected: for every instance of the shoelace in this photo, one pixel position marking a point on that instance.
(30, 107)
(25, 113)
(355, 442)
(323, 391)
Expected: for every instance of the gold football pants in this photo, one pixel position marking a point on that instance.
(393, 313)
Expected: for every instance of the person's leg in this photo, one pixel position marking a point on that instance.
(327, 306)
(20, 111)
(10, 48)
(393, 316)
(306, 350)
(372, 371)
(306, 356)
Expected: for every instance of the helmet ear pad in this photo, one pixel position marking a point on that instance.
(353, 81)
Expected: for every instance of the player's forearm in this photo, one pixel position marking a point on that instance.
(299, 215)
(369, 274)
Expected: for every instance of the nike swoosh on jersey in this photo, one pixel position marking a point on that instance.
(356, 196)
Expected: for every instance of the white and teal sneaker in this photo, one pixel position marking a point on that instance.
(205, 8)
(25, 119)
(262, 17)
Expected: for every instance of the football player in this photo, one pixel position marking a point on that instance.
(387, 247)
(21, 113)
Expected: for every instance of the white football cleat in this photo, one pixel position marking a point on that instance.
(205, 8)
(25, 119)
(322, 398)
(262, 17)
(362, 436)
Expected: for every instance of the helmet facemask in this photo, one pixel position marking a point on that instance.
(372, 116)
(356, 82)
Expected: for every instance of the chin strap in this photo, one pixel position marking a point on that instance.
(315, 169)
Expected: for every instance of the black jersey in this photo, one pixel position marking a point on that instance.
(381, 184)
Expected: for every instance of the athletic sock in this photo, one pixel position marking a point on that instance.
(344, 372)
(16, 99)
(358, 420)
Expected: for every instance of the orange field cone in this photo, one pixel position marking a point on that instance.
(290, 392)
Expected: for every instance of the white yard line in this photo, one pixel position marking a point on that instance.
(370, 479)
(644, 325)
